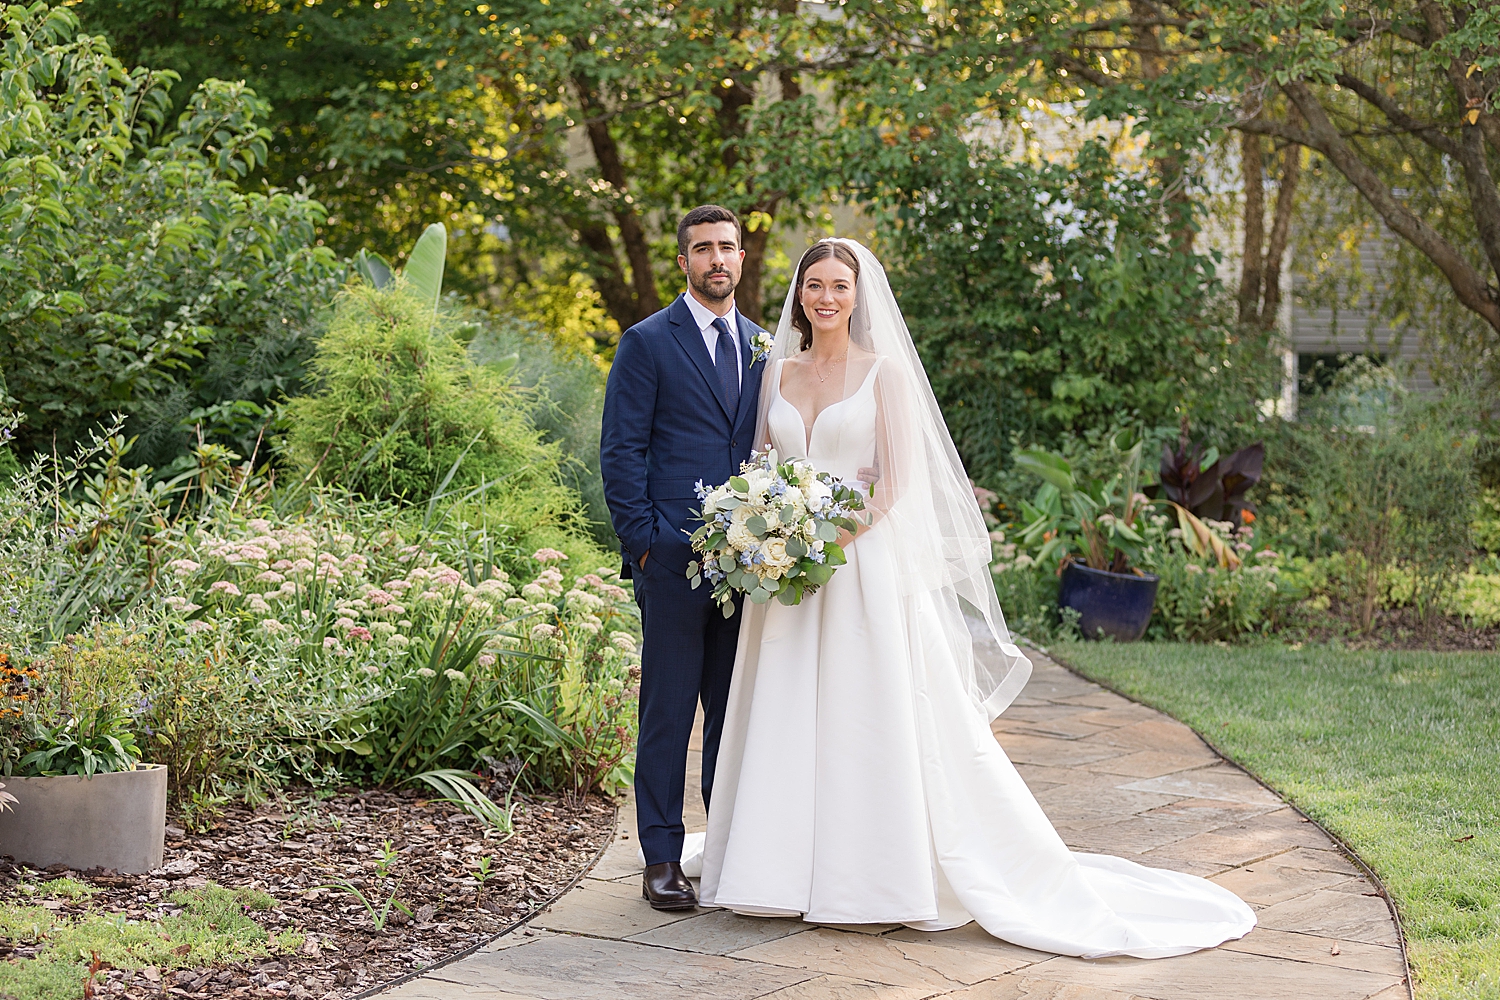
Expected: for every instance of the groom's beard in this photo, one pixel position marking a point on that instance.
(706, 288)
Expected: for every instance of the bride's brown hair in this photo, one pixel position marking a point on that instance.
(815, 253)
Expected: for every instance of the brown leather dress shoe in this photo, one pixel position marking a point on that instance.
(666, 888)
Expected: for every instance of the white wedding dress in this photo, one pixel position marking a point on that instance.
(858, 782)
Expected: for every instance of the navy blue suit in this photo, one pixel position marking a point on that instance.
(667, 425)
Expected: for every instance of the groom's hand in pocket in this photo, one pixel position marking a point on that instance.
(643, 559)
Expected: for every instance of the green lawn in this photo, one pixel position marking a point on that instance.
(1396, 752)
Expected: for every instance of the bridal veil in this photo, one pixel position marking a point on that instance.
(940, 545)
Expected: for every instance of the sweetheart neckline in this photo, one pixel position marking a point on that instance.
(807, 431)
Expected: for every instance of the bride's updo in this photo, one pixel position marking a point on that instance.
(818, 251)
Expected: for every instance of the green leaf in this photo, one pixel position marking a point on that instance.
(827, 532)
(739, 484)
(796, 547)
(757, 526)
(819, 575)
(1050, 468)
(834, 555)
(760, 595)
(424, 271)
(507, 364)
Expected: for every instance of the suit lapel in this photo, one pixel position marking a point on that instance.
(691, 342)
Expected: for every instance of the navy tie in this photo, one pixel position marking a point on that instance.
(727, 361)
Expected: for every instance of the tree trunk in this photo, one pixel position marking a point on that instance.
(1252, 169)
(608, 277)
(645, 298)
(1281, 229)
(1169, 168)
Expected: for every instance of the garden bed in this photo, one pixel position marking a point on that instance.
(1402, 628)
(325, 943)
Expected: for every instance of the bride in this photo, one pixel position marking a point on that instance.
(857, 778)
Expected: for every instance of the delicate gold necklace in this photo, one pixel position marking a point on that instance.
(821, 377)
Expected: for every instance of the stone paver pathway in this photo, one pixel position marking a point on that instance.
(1115, 777)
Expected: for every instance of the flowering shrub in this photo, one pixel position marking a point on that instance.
(403, 662)
(348, 640)
(1200, 601)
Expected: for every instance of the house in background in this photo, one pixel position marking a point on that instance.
(1322, 338)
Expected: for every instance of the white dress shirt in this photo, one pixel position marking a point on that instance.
(705, 317)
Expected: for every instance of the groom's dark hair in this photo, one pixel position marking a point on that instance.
(700, 215)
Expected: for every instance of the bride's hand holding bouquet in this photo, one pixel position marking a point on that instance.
(772, 531)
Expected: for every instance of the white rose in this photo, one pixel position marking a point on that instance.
(774, 551)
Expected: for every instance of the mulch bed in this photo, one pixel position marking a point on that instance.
(1403, 628)
(290, 849)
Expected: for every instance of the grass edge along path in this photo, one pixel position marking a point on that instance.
(1397, 753)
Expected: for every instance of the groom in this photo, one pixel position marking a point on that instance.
(680, 407)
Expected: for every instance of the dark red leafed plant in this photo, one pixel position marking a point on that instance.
(1211, 486)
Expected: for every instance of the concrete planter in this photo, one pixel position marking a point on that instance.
(115, 820)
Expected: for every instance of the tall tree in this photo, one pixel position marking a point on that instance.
(1398, 96)
(586, 125)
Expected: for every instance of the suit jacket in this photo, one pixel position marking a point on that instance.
(667, 425)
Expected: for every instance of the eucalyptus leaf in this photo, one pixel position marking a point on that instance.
(757, 525)
(739, 484)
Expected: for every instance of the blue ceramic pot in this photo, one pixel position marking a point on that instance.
(1116, 604)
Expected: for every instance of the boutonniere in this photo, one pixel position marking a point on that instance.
(760, 346)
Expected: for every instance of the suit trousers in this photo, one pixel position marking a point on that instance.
(687, 658)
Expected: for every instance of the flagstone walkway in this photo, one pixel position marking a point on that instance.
(1114, 777)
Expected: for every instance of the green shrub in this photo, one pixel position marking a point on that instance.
(1476, 594)
(1387, 479)
(396, 405)
(1486, 525)
(567, 388)
(1048, 300)
(351, 642)
(1199, 601)
(138, 278)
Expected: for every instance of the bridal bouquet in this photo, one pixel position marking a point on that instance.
(770, 531)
